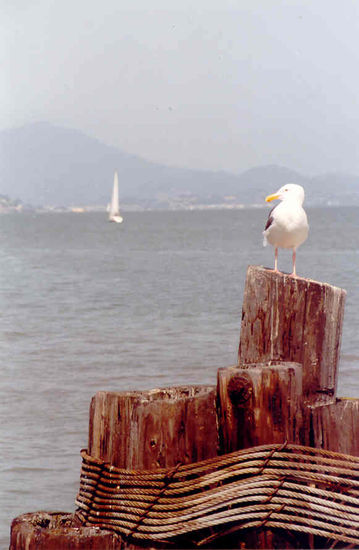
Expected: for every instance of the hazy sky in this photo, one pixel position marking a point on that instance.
(214, 84)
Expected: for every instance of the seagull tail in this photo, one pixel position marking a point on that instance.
(265, 242)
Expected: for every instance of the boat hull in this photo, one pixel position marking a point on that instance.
(116, 219)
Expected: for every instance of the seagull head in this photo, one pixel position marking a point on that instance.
(290, 191)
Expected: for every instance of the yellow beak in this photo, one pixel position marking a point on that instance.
(272, 197)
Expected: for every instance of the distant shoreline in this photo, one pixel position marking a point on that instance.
(137, 208)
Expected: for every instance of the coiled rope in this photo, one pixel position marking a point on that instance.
(287, 486)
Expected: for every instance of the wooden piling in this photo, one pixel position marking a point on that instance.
(261, 404)
(258, 405)
(156, 428)
(335, 427)
(288, 318)
(56, 531)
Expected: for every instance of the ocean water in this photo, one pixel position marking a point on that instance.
(87, 306)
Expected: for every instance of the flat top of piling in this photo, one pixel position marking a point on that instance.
(288, 278)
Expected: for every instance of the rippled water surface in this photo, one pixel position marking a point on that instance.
(87, 305)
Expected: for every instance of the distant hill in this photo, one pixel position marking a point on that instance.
(43, 164)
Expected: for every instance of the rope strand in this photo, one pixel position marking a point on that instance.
(292, 487)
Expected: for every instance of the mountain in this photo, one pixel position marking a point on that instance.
(46, 164)
(43, 164)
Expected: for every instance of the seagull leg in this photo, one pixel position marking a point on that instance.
(276, 260)
(294, 255)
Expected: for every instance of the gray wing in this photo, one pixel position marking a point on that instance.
(270, 218)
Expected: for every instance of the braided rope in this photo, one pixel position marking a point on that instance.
(287, 486)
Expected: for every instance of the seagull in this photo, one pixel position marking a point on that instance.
(287, 224)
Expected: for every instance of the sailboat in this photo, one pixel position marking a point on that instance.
(114, 209)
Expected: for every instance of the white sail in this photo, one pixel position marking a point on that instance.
(114, 211)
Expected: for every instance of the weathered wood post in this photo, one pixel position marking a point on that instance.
(160, 428)
(56, 531)
(153, 429)
(259, 404)
(293, 319)
(335, 426)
